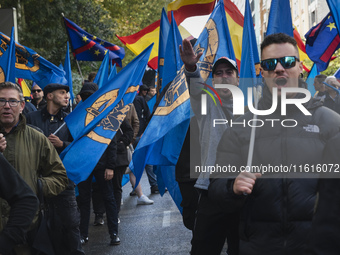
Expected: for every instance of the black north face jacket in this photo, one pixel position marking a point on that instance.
(276, 217)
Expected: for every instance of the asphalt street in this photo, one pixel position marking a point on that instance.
(144, 229)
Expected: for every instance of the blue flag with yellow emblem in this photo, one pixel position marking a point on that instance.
(94, 123)
(250, 61)
(163, 138)
(322, 41)
(7, 61)
(88, 47)
(31, 66)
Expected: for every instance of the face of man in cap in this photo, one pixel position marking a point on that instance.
(59, 97)
(9, 115)
(37, 93)
(225, 73)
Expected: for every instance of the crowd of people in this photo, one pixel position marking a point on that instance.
(250, 212)
(60, 224)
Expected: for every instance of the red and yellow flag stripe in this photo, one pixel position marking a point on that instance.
(183, 9)
(235, 21)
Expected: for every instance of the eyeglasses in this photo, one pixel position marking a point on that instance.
(36, 90)
(11, 102)
(286, 62)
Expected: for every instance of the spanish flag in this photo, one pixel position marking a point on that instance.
(25, 90)
(235, 21)
(182, 9)
(302, 49)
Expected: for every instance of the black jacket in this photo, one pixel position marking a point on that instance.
(109, 157)
(39, 106)
(143, 113)
(276, 217)
(324, 236)
(124, 137)
(49, 124)
(23, 202)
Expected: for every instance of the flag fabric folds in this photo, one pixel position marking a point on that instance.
(94, 123)
(235, 21)
(31, 66)
(172, 59)
(310, 79)
(88, 47)
(103, 72)
(322, 41)
(334, 7)
(68, 72)
(7, 61)
(280, 18)
(163, 38)
(25, 89)
(302, 49)
(163, 138)
(183, 9)
(140, 40)
(250, 61)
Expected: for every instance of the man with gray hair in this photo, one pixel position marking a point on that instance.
(30, 153)
(332, 98)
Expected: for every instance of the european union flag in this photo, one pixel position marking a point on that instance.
(88, 47)
(334, 7)
(280, 18)
(322, 41)
(94, 123)
(250, 61)
(30, 65)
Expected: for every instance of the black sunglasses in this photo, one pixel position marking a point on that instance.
(36, 90)
(286, 62)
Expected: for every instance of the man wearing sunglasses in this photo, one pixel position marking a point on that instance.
(38, 97)
(276, 208)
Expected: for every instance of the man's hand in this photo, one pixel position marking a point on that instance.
(3, 143)
(57, 143)
(245, 182)
(108, 175)
(188, 55)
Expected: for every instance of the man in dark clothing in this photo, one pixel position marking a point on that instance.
(331, 95)
(23, 202)
(275, 212)
(103, 172)
(38, 97)
(325, 232)
(208, 237)
(67, 218)
(31, 154)
(143, 113)
(319, 86)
